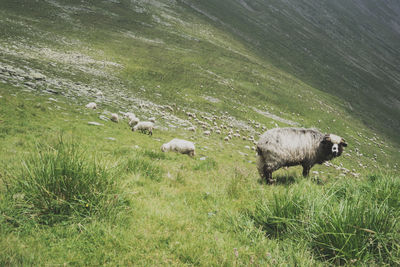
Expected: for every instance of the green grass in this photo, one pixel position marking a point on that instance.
(94, 201)
(71, 195)
(355, 226)
(58, 182)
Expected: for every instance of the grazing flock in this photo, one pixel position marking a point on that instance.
(276, 148)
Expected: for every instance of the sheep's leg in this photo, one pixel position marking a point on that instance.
(306, 170)
(268, 176)
(264, 170)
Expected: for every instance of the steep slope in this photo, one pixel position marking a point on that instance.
(166, 52)
(79, 189)
(349, 49)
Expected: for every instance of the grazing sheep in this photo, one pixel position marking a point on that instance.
(91, 105)
(284, 147)
(180, 146)
(133, 121)
(226, 138)
(152, 119)
(191, 129)
(114, 117)
(144, 126)
(130, 116)
(207, 133)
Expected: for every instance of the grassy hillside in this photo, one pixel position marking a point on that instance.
(345, 48)
(79, 194)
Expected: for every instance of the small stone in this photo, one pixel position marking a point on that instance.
(95, 123)
(104, 118)
(37, 76)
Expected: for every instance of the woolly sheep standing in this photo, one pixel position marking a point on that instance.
(133, 121)
(144, 126)
(91, 105)
(180, 146)
(114, 117)
(130, 115)
(284, 147)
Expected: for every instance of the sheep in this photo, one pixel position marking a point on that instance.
(284, 147)
(91, 105)
(207, 133)
(192, 129)
(114, 117)
(144, 126)
(130, 116)
(180, 146)
(152, 119)
(133, 121)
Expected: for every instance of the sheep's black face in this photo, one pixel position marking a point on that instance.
(333, 145)
(336, 150)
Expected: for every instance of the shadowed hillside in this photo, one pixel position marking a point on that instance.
(349, 49)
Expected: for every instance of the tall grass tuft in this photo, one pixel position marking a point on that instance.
(282, 214)
(346, 222)
(57, 183)
(353, 230)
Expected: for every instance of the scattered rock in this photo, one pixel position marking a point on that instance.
(104, 118)
(37, 76)
(95, 123)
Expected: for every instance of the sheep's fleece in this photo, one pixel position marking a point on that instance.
(144, 126)
(180, 146)
(284, 147)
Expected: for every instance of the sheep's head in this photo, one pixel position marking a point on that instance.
(164, 147)
(334, 144)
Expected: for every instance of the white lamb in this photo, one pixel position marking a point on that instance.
(133, 121)
(130, 116)
(144, 126)
(114, 117)
(180, 146)
(91, 105)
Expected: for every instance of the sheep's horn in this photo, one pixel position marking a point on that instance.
(343, 142)
(327, 138)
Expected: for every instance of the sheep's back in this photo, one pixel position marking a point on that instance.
(180, 145)
(289, 145)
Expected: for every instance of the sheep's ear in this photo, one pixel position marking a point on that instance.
(343, 142)
(327, 138)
